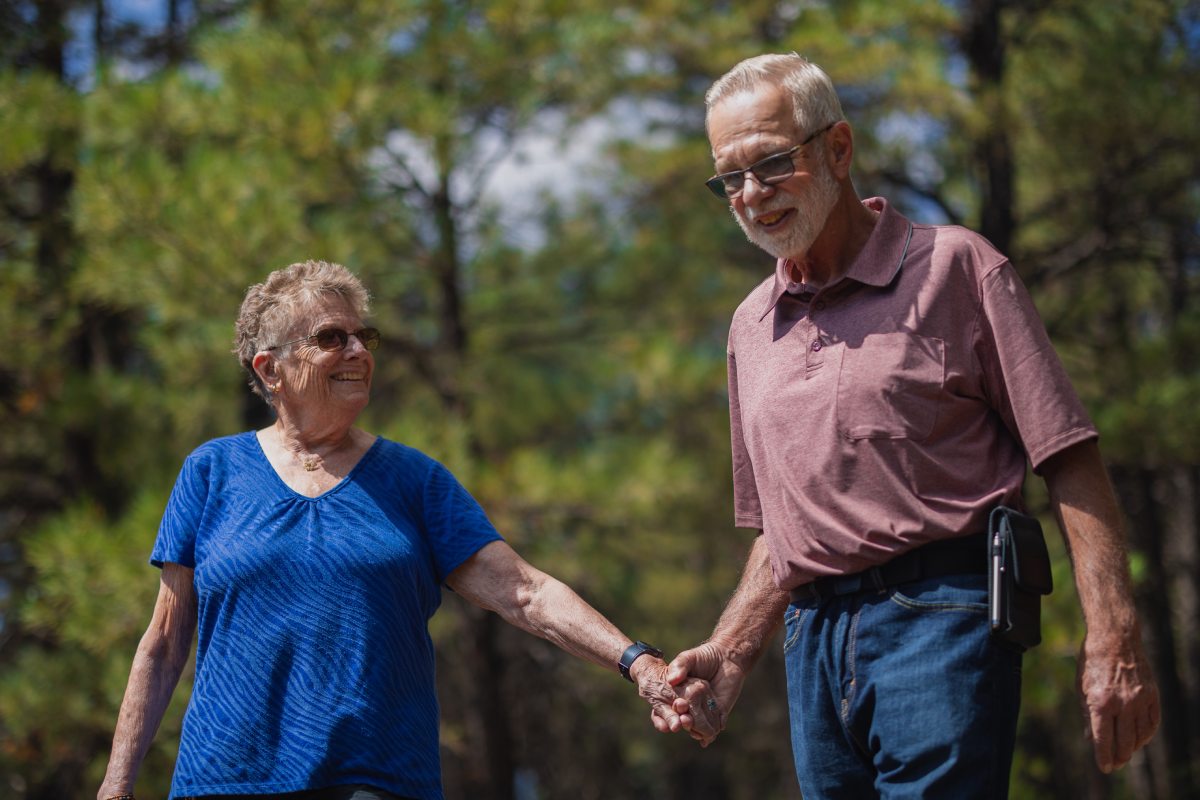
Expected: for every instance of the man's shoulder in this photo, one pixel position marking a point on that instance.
(957, 245)
(755, 303)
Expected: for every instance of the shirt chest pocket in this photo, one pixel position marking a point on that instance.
(890, 386)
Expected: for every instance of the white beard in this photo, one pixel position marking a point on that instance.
(806, 224)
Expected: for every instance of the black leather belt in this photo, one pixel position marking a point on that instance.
(964, 555)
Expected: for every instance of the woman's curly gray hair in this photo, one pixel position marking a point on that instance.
(272, 307)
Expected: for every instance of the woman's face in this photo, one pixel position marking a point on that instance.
(325, 382)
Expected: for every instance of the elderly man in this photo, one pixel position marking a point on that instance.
(888, 384)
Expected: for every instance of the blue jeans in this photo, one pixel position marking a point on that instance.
(901, 693)
(355, 792)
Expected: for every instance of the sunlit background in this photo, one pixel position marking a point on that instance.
(518, 182)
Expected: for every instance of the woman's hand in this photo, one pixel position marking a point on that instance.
(689, 706)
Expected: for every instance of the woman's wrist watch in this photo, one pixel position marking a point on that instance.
(631, 654)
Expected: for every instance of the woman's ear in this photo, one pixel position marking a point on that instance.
(267, 370)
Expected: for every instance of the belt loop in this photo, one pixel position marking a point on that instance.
(877, 579)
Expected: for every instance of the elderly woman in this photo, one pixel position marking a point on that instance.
(310, 556)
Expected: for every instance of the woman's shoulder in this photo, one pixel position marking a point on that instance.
(224, 444)
(407, 466)
(396, 455)
(225, 450)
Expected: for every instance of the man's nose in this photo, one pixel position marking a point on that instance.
(753, 190)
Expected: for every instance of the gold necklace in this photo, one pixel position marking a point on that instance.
(310, 463)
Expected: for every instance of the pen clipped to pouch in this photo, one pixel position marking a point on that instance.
(1018, 576)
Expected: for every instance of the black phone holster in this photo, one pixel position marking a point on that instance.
(1018, 575)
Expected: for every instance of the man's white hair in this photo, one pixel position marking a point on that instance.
(814, 100)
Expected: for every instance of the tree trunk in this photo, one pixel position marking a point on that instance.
(487, 683)
(983, 45)
(1147, 497)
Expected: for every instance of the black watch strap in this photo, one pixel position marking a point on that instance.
(631, 654)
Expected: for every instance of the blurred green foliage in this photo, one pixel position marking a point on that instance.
(559, 344)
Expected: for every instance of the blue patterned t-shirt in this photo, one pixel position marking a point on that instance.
(314, 665)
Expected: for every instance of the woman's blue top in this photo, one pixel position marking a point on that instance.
(314, 665)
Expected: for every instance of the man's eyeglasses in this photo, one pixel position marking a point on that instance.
(768, 172)
(330, 339)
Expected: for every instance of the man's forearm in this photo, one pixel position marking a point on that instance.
(1119, 694)
(1086, 508)
(755, 611)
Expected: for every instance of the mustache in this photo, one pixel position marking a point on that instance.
(772, 207)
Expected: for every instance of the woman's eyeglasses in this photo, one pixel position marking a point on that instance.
(330, 339)
(768, 172)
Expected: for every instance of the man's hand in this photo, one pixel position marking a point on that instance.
(1119, 695)
(721, 664)
(1120, 701)
(690, 707)
(720, 675)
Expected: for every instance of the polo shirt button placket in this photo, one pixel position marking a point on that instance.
(815, 359)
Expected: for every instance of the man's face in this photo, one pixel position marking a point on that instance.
(786, 218)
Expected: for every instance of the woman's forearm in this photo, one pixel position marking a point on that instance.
(499, 580)
(161, 657)
(152, 680)
(557, 614)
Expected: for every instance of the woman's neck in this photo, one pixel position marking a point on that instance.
(309, 442)
(313, 462)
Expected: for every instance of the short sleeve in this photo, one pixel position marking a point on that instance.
(176, 540)
(747, 508)
(1026, 382)
(456, 526)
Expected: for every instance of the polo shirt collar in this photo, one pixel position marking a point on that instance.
(875, 265)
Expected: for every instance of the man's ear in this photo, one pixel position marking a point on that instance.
(839, 146)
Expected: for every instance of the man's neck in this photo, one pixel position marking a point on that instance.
(845, 234)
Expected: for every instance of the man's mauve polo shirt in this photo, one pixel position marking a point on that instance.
(894, 407)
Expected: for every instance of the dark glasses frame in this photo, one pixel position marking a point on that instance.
(718, 184)
(333, 339)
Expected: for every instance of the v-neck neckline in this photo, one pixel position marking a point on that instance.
(262, 452)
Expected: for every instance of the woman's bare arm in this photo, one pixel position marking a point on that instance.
(498, 579)
(157, 665)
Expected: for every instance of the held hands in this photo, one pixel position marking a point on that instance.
(714, 664)
(1120, 701)
(690, 707)
(707, 682)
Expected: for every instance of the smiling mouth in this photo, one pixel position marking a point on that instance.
(772, 219)
(349, 376)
